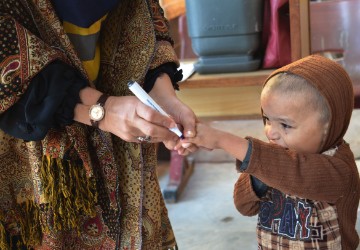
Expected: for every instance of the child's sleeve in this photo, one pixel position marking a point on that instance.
(248, 189)
(258, 186)
(245, 199)
(312, 176)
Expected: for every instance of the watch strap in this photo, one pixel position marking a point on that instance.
(101, 101)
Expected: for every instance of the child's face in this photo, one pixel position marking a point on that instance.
(291, 122)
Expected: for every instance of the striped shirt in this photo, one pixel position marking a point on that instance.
(82, 21)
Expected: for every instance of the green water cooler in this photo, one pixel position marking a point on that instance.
(225, 34)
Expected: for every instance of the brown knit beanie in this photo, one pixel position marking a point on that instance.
(334, 84)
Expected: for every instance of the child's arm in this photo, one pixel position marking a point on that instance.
(212, 138)
(313, 176)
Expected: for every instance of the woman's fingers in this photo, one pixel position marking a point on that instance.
(155, 131)
(132, 120)
(153, 116)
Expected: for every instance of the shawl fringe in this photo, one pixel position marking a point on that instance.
(68, 192)
(4, 244)
(30, 226)
(31, 233)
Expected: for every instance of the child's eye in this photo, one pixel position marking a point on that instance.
(286, 126)
(265, 118)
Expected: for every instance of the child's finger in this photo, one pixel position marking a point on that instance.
(186, 144)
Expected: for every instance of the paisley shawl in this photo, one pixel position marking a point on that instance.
(80, 188)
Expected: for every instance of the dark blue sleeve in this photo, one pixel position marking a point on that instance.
(259, 187)
(48, 102)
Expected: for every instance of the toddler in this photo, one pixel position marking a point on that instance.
(303, 184)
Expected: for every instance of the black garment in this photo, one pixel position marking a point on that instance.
(168, 68)
(49, 102)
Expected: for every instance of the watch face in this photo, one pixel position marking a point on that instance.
(96, 112)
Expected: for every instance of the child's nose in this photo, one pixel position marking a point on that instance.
(272, 133)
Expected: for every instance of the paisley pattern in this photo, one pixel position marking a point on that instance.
(130, 212)
(10, 70)
(15, 67)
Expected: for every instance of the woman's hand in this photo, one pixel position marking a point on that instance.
(186, 120)
(128, 118)
(164, 94)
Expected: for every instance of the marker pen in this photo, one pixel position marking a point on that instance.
(140, 93)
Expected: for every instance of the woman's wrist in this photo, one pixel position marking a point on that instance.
(162, 88)
(163, 92)
(88, 97)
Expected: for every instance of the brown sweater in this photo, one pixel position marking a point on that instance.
(309, 194)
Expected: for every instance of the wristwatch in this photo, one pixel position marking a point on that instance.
(97, 111)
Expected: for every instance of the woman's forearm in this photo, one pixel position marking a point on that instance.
(162, 89)
(89, 96)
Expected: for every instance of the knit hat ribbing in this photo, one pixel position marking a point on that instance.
(334, 84)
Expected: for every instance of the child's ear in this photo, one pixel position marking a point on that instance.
(326, 128)
(325, 133)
